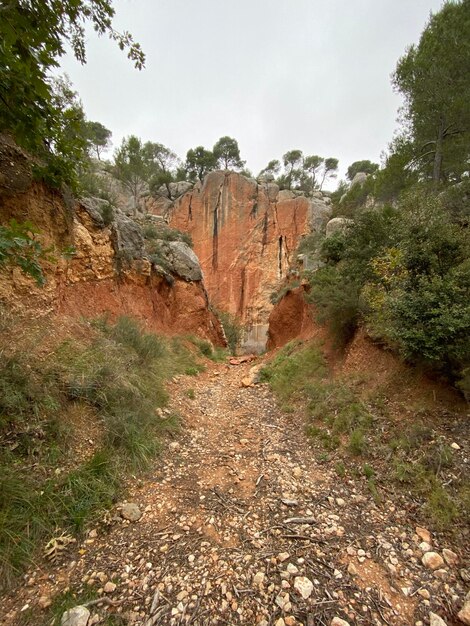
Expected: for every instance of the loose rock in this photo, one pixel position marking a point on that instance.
(78, 616)
(131, 511)
(432, 560)
(304, 586)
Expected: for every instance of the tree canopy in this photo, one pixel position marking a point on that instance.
(227, 154)
(98, 137)
(365, 166)
(200, 162)
(434, 79)
(33, 37)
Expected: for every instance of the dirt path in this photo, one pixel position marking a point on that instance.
(241, 525)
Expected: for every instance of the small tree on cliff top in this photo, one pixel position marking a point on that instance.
(199, 162)
(98, 137)
(227, 154)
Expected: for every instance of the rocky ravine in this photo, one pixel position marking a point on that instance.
(239, 524)
(246, 233)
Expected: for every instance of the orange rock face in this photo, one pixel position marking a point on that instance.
(88, 283)
(245, 235)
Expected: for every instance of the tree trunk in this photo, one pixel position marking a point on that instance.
(437, 168)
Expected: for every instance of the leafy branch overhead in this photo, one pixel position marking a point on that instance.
(33, 37)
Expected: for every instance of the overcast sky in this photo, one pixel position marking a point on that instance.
(274, 74)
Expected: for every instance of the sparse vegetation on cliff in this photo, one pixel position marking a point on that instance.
(233, 329)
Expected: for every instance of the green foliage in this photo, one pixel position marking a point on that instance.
(434, 80)
(98, 137)
(356, 197)
(132, 167)
(18, 246)
(233, 329)
(336, 289)
(365, 166)
(34, 37)
(199, 162)
(292, 161)
(293, 369)
(216, 354)
(272, 169)
(163, 164)
(420, 298)
(396, 175)
(227, 154)
(115, 376)
(153, 233)
(337, 301)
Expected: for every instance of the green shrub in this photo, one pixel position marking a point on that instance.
(337, 302)
(117, 373)
(19, 246)
(419, 304)
(277, 296)
(150, 232)
(291, 372)
(232, 328)
(357, 442)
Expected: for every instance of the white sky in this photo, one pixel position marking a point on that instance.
(275, 74)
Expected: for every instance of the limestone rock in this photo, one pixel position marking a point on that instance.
(182, 260)
(337, 621)
(338, 224)
(359, 179)
(131, 511)
(423, 534)
(432, 560)
(78, 616)
(304, 586)
(94, 207)
(273, 191)
(245, 235)
(319, 214)
(435, 620)
(109, 587)
(175, 189)
(128, 238)
(464, 613)
(450, 557)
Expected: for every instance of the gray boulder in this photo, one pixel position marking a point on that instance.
(265, 178)
(181, 260)
(273, 191)
(78, 616)
(359, 179)
(95, 207)
(338, 224)
(286, 194)
(319, 214)
(131, 512)
(176, 189)
(127, 237)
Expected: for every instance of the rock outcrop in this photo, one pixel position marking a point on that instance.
(95, 268)
(338, 225)
(245, 234)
